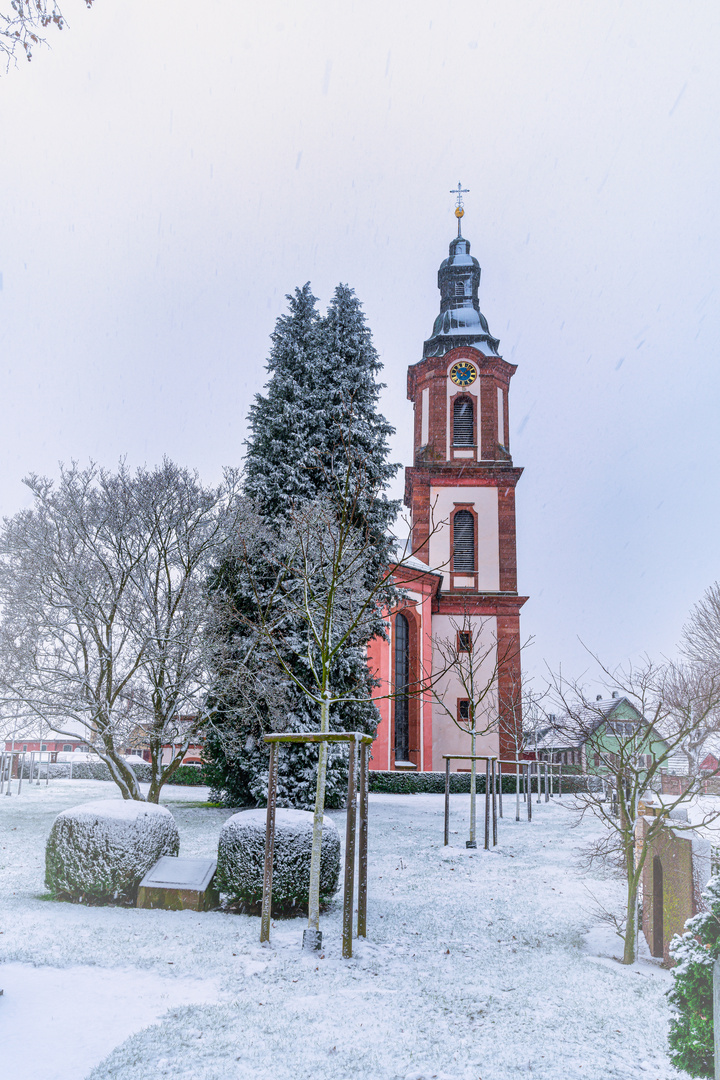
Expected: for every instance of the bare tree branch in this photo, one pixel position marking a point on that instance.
(655, 711)
(23, 26)
(104, 609)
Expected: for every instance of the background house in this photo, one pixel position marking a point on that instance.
(588, 743)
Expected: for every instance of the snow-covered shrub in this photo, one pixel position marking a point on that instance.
(189, 775)
(691, 1028)
(241, 858)
(411, 783)
(99, 852)
(89, 770)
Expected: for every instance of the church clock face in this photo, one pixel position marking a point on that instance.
(463, 373)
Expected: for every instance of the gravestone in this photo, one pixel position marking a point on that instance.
(677, 866)
(179, 884)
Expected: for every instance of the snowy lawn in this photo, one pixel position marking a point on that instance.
(478, 966)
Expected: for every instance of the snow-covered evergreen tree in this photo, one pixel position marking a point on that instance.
(316, 427)
(691, 1035)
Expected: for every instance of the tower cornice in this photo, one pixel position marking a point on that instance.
(437, 367)
(473, 474)
(487, 604)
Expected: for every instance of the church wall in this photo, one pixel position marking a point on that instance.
(485, 502)
(447, 737)
(378, 655)
(417, 608)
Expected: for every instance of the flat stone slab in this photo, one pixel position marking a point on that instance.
(178, 883)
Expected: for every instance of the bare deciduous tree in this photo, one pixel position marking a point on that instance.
(322, 576)
(701, 633)
(632, 753)
(701, 646)
(104, 605)
(471, 658)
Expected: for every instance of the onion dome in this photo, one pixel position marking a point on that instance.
(460, 321)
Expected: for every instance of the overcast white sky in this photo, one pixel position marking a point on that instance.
(168, 171)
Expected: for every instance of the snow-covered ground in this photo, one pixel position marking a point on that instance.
(478, 966)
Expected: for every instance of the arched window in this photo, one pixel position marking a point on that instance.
(464, 543)
(462, 422)
(402, 678)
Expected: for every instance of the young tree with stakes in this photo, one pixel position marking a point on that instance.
(471, 659)
(324, 598)
(669, 706)
(519, 717)
(104, 604)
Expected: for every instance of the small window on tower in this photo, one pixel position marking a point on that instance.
(462, 422)
(464, 641)
(464, 711)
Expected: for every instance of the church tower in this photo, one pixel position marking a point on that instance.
(461, 492)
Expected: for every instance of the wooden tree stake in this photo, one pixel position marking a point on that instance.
(269, 844)
(349, 855)
(363, 843)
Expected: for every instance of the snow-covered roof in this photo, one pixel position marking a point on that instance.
(405, 561)
(413, 563)
(551, 739)
(572, 731)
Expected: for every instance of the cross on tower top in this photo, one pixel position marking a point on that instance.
(458, 193)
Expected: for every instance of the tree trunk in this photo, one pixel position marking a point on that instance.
(630, 927)
(633, 871)
(314, 896)
(123, 776)
(162, 776)
(156, 752)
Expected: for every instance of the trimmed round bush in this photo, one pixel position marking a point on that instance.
(99, 852)
(241, 859)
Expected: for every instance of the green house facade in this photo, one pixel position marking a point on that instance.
(623, 730)
(612, 727)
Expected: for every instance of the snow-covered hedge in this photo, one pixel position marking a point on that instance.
(99, 852)
(188, 775)
(87, 770)
(412, 783)
(241, 858)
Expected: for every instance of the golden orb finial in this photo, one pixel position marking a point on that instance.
(459, 212)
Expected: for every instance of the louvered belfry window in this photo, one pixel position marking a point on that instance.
(462, 422)
(402, 678)
(464, 543)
